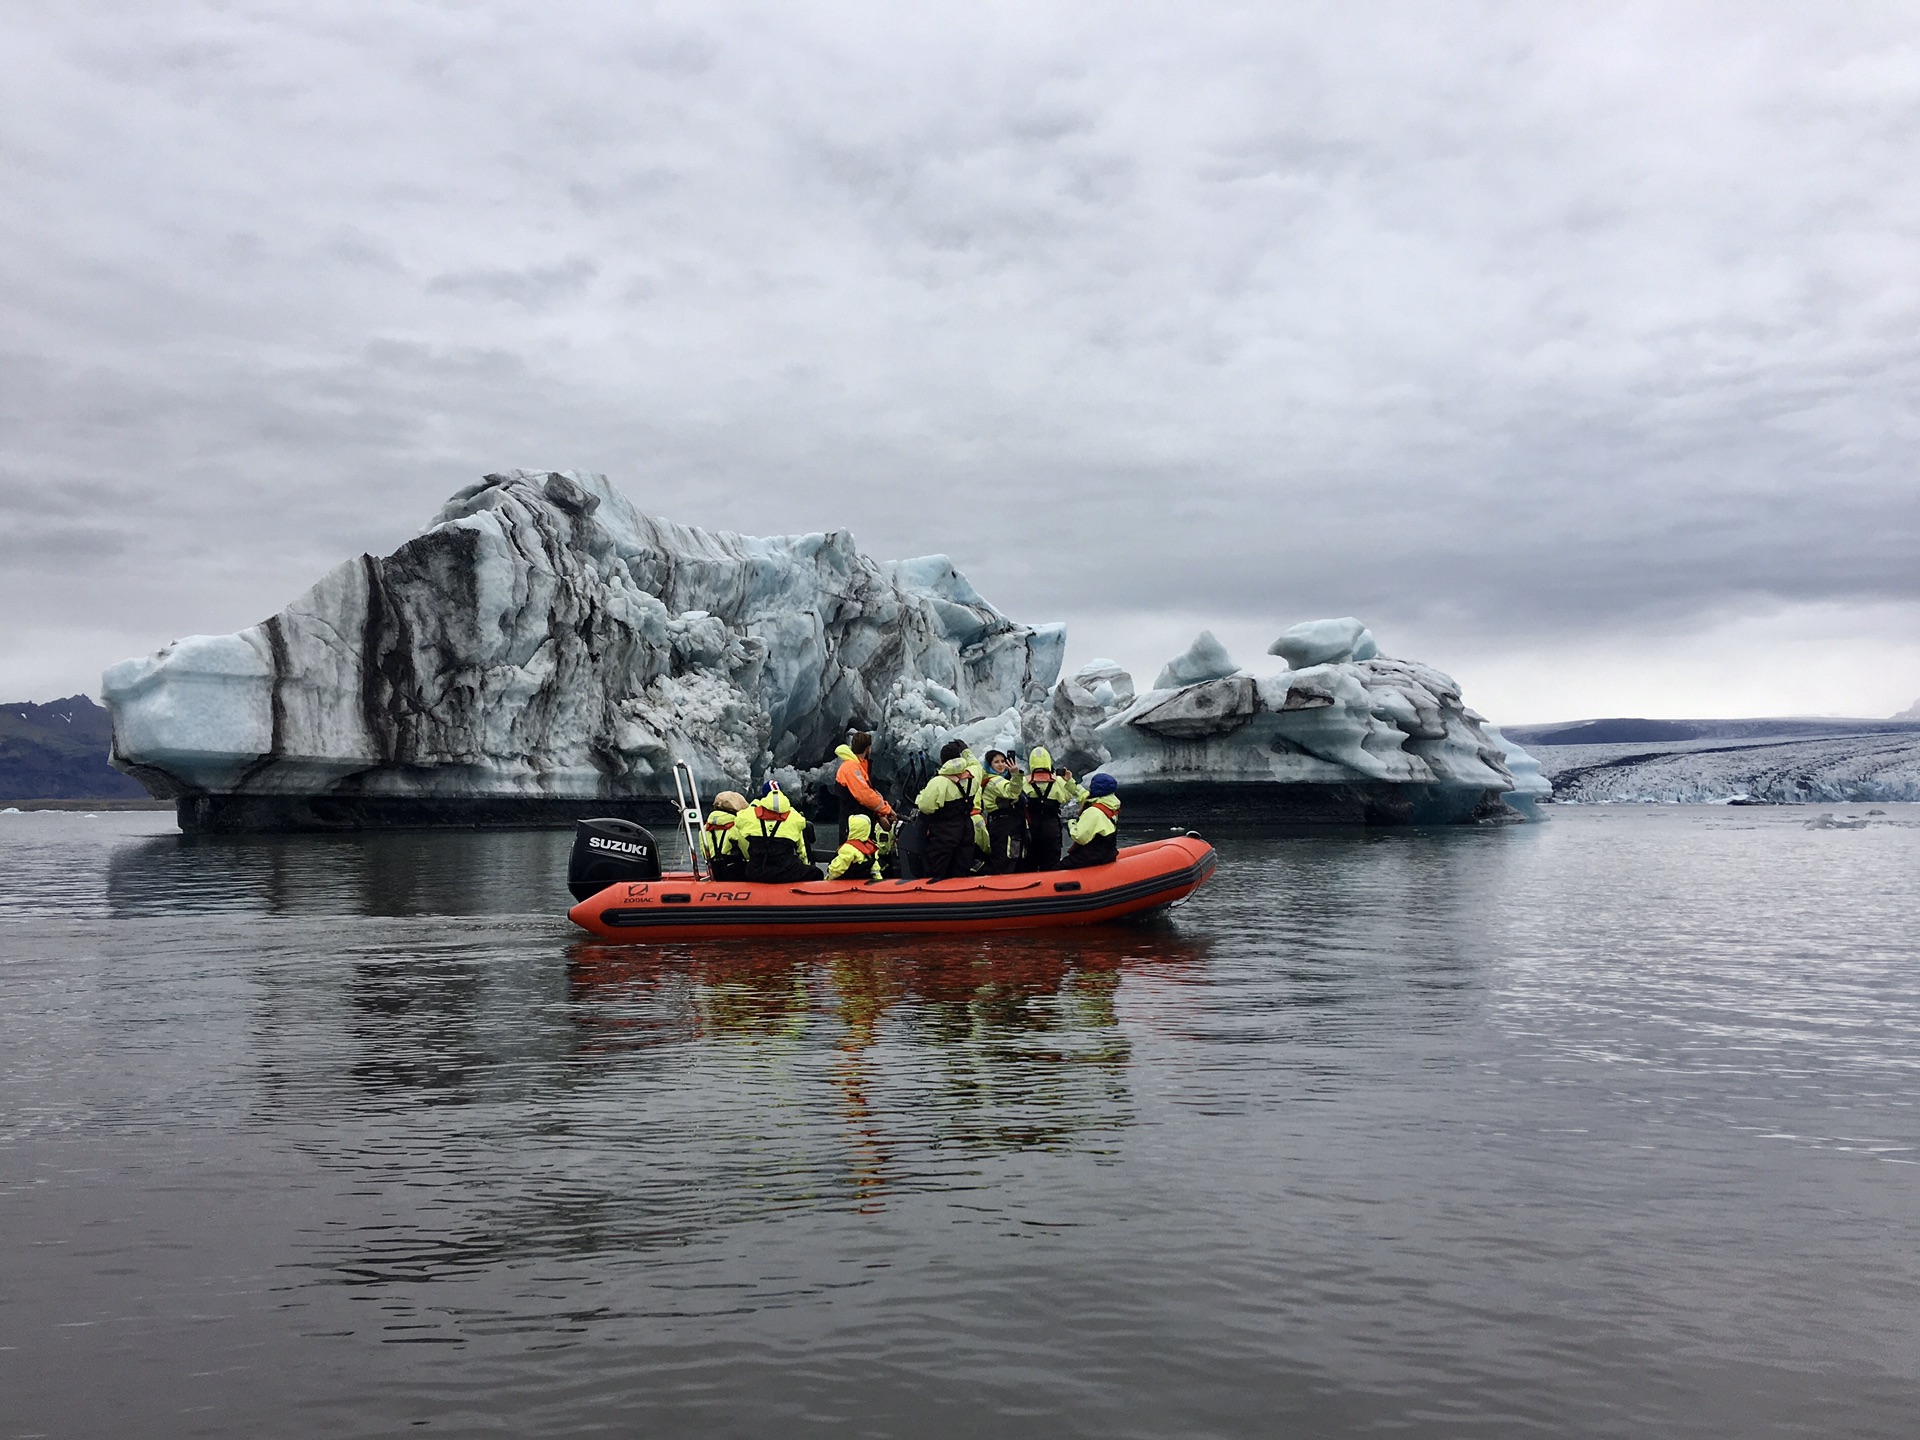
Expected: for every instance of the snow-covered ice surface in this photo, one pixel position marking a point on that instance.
(1846, 769)
(544, 640)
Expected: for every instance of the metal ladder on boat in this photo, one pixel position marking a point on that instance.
(687, 792)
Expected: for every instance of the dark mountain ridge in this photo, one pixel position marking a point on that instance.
(58, 751)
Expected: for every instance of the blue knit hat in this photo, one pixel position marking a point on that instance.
(1102, 784)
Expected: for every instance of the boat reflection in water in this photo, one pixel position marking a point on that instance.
(988, 1044)
(428, 986)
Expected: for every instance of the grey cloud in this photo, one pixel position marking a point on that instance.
(530, 287)
(1520, 323)
(681, 52)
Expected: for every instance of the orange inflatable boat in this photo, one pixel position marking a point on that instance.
(686, 906)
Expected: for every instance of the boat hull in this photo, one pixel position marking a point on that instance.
(1143, 879)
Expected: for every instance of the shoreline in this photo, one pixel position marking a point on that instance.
(61, 804)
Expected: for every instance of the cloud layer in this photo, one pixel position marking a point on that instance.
(1558, 331)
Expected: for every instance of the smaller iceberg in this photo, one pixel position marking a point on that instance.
(1345, 734)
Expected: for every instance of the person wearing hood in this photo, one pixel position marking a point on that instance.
(947, 802)
(772, 837)
(858, 857)
(975, 769)
(1096, 830)
(723, 861)
(1005, 812)
(853, 782)
(1045, 791)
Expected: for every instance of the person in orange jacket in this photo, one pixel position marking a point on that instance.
(853, 783)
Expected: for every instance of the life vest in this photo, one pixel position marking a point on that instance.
(959, 810)
(771, 855)
(1041, 800)
(997, 803)
(770, 823)
(1100, 849)
(865, 849)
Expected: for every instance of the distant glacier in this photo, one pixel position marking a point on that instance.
(1773, 761)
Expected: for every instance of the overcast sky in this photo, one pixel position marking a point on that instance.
(1576, 348)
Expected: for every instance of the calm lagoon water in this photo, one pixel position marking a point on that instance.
(1605, 1126)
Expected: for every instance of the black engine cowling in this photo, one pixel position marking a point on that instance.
(608, 852)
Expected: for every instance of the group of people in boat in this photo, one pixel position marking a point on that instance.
(972, 817)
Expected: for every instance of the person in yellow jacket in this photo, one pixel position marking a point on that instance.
(858, 858)
(1096, 830)
(947, 802)
(1045, 791)
(1006, 814)
(723, 862)
(771, 836)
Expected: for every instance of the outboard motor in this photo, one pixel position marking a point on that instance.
(609, 852)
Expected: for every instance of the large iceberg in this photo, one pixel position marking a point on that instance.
(544, 644)
(544, 649)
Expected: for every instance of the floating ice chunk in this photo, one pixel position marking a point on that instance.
(1205, 659)
(1325, 642)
